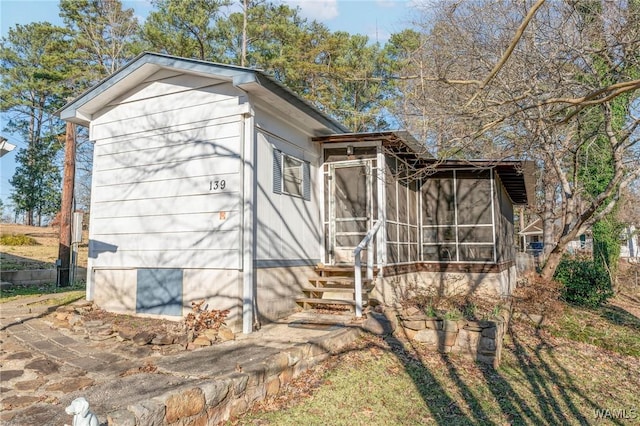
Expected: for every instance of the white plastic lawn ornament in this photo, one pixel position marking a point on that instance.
(79, 409)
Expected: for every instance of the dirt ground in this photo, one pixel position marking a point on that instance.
(41, 256)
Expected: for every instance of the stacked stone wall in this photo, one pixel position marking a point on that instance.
(477, 340)
(211, 402)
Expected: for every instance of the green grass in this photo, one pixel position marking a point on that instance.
(606, 327)
(17, 240)
(546, 378)
(9, 265)
(10, 262)
(17, 292)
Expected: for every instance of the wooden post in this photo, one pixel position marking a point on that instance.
(64, 248)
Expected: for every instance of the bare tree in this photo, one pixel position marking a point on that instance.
(541, 81)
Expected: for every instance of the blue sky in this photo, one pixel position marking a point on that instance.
(377, 19)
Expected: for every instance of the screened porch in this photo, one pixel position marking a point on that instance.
(451, 216)
(453, 213)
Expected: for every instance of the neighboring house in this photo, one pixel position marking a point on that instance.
(215, 182)
(532, 237)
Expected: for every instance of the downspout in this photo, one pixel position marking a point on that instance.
(247, 180)
(91, 282)
(247, 140)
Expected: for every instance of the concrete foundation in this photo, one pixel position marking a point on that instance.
(115, 291)
(391, 290)
(277, 289)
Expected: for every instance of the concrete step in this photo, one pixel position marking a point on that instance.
(343, 281)
(334, 289)
(347, 270)
(309, 302)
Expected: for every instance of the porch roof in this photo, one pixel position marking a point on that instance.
(392, 138)
(534, 228)
(517, 176)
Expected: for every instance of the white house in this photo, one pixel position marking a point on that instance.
(216, 182)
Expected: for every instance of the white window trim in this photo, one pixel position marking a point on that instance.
(279, 175)
(300, 178)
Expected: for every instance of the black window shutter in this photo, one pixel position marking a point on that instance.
(277, 171)
(306, 181)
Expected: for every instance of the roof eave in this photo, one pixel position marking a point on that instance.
(391, 138)
(257, 78)
(146, 63)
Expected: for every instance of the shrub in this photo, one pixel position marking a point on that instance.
(17, 240)
(430, 311)
(453, 315)
(584, 282)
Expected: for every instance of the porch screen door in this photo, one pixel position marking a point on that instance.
(350, 208)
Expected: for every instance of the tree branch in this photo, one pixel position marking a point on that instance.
(507, 54)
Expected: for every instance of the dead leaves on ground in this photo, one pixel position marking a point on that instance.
(148, 367)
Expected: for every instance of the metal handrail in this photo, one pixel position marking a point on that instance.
(366, 242)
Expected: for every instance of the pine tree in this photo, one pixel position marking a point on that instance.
(36, 182)
(39, 68)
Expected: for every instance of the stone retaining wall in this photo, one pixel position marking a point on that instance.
(213, 401)
(35, 276)
(478, 340)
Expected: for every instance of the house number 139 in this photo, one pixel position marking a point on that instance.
(217, 185)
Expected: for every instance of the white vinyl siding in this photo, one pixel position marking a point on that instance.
(157, 201)
(288, 227)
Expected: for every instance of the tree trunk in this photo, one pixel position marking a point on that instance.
(548, 219)
(553, 260)
(64, 248)
(243, 53)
